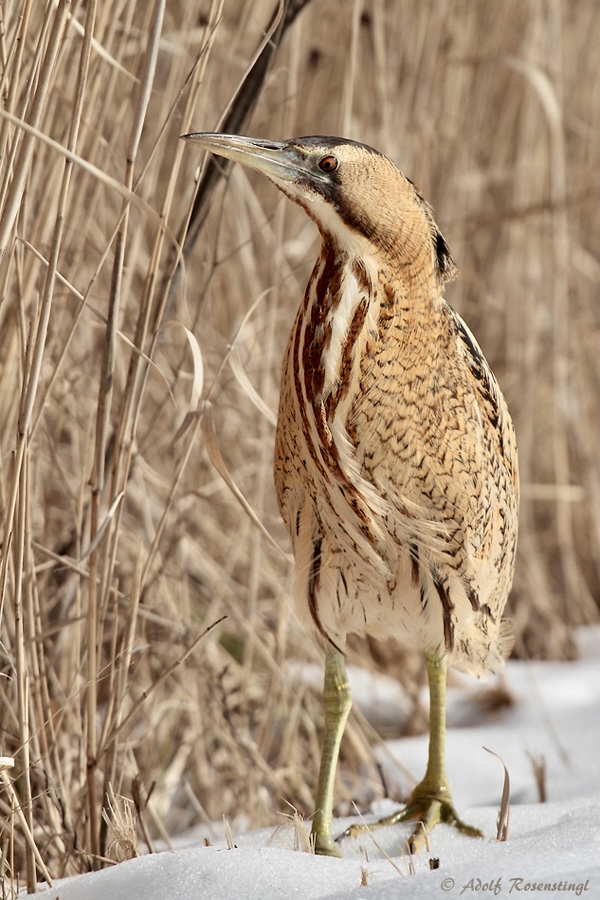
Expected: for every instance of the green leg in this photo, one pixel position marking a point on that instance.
(336, 703)
(430, 802)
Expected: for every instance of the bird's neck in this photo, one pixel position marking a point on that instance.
(351, 300)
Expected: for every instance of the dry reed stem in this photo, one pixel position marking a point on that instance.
(503, 820)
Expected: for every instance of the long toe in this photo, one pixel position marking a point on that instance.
(428, 811)
(431, 811)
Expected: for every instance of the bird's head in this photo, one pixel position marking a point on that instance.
(354, 194)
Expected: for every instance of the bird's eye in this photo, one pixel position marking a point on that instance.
(328, 164)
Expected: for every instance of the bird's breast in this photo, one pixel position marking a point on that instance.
(315, 454)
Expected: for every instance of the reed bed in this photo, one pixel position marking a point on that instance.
(146, 635)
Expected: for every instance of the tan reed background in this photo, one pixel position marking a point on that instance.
(134, 405)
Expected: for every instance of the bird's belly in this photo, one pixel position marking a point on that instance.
(337, 595)
(352, 600)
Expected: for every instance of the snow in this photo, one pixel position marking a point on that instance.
(553, 848)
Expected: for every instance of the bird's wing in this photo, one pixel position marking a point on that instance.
(452, 495)
(491, 400)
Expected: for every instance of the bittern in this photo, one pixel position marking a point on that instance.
(395, 455)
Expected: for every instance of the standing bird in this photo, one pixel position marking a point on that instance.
(395, 455)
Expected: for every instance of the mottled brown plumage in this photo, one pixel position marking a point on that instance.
(395, 457)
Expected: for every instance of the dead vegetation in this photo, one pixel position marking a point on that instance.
(138, 384)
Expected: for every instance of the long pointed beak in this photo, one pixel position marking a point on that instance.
(275, 159)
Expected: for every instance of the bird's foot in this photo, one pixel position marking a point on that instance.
(429, 810)
(324, 843)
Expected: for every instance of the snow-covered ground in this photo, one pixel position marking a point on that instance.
(553, 848)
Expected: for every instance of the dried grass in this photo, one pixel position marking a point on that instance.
(121, 542)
